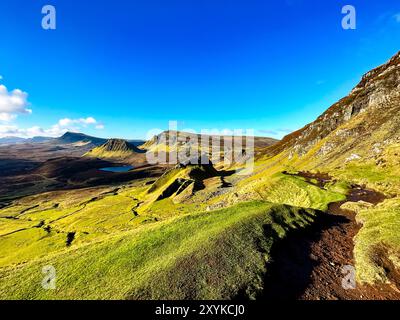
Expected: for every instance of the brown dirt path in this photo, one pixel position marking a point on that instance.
(308, 264)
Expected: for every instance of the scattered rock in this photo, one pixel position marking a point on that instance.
(353, 157)
(70, 238)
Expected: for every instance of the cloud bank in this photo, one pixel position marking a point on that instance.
(15, 102)
(12, 103)
(56, 130)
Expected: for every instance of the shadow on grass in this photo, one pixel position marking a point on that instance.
(289, 273)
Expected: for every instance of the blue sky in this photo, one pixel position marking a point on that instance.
(121, 68)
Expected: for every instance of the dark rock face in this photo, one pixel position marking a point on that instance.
(70, 238)
(176, 186)
(202, 160)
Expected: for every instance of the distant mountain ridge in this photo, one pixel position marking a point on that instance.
(75, 137)
(11, 140)
(178, 139)
(17, 140)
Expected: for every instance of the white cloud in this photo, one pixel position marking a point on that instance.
(7, 117)
(88, 120)
(12, 103)
(67, 124)
(56, 130)
(1, 77)
(15, 131)
(15, 102)
(397, 17)
(64, 122)
(6, 130)
(82, 121)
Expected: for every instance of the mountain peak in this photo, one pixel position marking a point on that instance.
(75, 137)
(71, 133)
(378, 72)
(119, 145)
(114, 148)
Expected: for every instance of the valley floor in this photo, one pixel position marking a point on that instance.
(198, 233)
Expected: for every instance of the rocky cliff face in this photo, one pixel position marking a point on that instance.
(118, 145)
(366, 119)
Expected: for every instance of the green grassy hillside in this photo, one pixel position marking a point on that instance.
(201, 256)
(130, 243)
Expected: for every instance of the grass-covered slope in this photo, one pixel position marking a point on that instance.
(201, 256)
(376, 245)
(294, 190)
